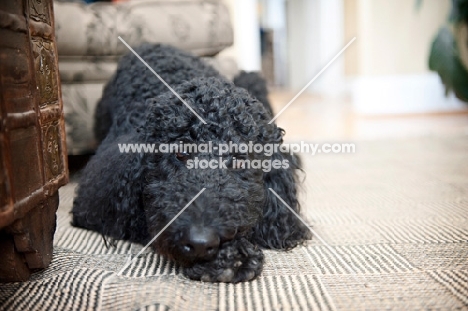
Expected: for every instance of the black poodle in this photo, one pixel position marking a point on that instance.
(132, 196)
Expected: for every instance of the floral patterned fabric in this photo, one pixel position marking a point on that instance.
(202, 27)
(87, 69)
(89, 48)
(80, 101)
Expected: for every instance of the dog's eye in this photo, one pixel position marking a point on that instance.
(240, 161)
(227, 234)
(242, 156)
(182, 156)
(237, 161)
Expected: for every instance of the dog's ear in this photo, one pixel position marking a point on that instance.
(109, 193)
(256, 85)
(279, 228)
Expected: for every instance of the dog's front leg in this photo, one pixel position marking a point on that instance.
(237, 261)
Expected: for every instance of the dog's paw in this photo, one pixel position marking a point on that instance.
(237, 261)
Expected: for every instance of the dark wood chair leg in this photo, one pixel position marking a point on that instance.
(28, 242)
(13, 266)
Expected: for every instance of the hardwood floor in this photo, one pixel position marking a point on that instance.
(312, 117)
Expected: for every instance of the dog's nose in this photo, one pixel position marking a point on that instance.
(201, 242)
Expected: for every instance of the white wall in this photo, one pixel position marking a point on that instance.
(395, 37)
(315, 32)
(389, 66)
(246, 47)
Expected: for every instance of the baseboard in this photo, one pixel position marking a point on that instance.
(402, 94)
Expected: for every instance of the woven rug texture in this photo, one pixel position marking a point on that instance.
(393, 223)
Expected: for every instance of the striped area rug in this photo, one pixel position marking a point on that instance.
(394, 222)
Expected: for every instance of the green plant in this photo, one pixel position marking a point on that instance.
(445, 57)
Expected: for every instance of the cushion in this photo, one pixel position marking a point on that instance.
(202, 27)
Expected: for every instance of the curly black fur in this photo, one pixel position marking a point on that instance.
(133, 196)
(255, 85)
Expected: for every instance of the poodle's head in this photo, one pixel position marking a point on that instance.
(234, 196)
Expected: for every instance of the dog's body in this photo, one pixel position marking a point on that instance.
(133, 196)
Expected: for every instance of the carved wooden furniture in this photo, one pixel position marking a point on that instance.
(33, 164)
